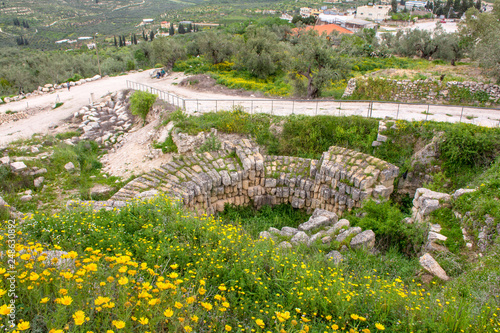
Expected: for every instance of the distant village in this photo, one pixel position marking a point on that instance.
(323, 19)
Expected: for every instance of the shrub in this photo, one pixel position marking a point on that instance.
(212, 143)
(468, 146)
(385, 220)
(141, 102)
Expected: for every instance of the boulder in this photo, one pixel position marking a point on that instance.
(314, 223)
(26, 197)
(38, 181)
(265, 235)
(18, 166)
(69, 166)
(432, 266)
(339, 225)
(462, 191)
(336, 256)
(323, 212)
(351, 231)
(100, 190)
(5, 160)
(364, 240)
(285, 245)
(288, 231)
(300, 237)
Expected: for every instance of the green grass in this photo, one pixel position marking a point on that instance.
(217, 262)
(255, 221)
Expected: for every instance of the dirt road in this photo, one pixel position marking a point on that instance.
(207, 101)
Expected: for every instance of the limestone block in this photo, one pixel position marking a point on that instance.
(314, 223)
(432, 266)
(300, 237)
(18, 166)
(265, 235)
(365, 240)
(336, 256)
(344, 235)
(288, 231)
(5, 160)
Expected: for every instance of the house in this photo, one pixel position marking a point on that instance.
(325, 29)
(415, 4)
(147, 21)
(375, 13)
(165, 25)
(357, 24)
(305, 11)
(329, 17)
(286, 17)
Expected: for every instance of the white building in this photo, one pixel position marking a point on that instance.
(286, 17)
(375, 13)
(415, 4)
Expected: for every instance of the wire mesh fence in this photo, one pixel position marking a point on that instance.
(489, 117)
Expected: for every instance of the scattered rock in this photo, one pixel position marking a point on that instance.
(38, 181)
(69, 166)
(100, 190)
(18, 166)
(300, 237)
(5, 160)
(364, 240)
(285, 245)
(288, 231)
(265, 235)
(462, 191)
(432, 266)
(336, 256)
(351, 231)
(26, 197)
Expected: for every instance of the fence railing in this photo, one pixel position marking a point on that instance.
(489, 117)
(163, 95)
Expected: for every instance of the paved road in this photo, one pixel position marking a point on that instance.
(205, 101)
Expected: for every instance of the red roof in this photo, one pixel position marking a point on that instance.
(327, 28)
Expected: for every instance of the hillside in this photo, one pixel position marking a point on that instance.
(52, 20)
(137, 260)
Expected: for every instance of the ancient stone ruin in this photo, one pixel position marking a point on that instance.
(239, 174)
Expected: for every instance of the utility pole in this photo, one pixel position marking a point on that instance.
(97, 53)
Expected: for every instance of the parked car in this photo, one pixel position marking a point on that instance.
(443, 21)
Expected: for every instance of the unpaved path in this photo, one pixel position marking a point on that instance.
(204, 101)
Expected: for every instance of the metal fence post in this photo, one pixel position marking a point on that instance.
(272, 106)
(197, 104)
(316, 108)
(397, 114)
(340, 107)
(215, 105)
(427, 113)
(293, 106)
(251, 107)
(233, 104)
(461, 114)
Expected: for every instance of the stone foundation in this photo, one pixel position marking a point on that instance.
(239, 174)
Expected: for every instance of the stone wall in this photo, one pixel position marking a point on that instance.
(239, 173)
(427, 90)
(48, 88)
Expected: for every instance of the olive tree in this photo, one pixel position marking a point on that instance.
(260, 52)
(167, 50)
(314, 63)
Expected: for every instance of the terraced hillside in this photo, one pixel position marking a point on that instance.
(51, 20)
